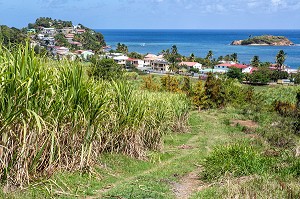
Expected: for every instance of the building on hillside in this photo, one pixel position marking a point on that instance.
(48, 31)
(190, 65)
(40, 36)
(160, 65)
(32, 30)
(80, 31)
(76, 43)
(69, 37)
(67, 30)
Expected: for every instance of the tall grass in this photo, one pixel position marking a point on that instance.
(53, 116)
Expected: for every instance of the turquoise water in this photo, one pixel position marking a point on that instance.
(200, 42)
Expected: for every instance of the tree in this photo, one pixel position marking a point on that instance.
(234, 57)
(61, 40)
(192, 57)
(235, 73)
(135, 55)
(106, 69)
(280, 59)
(255, 61)
(122, 48)
(262, 75)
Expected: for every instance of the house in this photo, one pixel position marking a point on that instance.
(76, 43)
(240, 66)
(48, 41)
(67, 30)
(48, 31)
(32, 30)
(69, 37)
(191, 65)
(80, 31)
(40, 36)
(149, 59)
(136, 62)
(160, 65)
(249, 69)
(121, 60)
(223, 66)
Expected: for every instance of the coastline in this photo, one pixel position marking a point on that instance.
(200, 42)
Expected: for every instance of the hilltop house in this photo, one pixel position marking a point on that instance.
(49, 31)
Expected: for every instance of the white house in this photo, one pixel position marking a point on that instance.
(191, 65)
(121, 60)
(136, 62)
(48, 31)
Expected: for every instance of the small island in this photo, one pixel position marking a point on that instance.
(264, 40)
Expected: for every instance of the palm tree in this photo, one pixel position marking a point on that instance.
(209, 55)
(255, 61)
(234, 57)
(192, 57)
(280, 59)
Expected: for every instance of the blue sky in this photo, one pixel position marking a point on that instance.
(157, 14)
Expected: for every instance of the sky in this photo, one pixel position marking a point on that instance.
(157, 14)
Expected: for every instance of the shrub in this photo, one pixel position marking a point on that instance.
(237, 160)
(170, 83)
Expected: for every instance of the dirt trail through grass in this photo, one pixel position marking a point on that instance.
(176, 177)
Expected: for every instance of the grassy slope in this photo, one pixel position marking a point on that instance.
(121, 176)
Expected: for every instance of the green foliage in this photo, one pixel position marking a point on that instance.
(135, 55)
(61, 40)
(264, 39)
(280, 59)
(237, 160)
(296, 78)
(170, 83)
(48, 22)
(91, 40)
(122, 48)
(277, 74)
(186, 87)
(106, 69)
(54, 116)
(149, 83)
(214, 92)
(11, 35)
(235, 73)
(255, 62)
(261, 76)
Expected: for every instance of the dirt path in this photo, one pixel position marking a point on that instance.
(188, 185)
(184, 151)
(204, 137)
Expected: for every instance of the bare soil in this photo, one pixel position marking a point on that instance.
(246, 123)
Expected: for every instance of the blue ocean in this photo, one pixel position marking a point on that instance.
(200, 42)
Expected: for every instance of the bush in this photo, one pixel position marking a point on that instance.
(237, 160)
(235, 73)
(106, 69)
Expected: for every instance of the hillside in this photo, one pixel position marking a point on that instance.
(265, 40)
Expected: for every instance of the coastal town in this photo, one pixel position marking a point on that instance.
(45, 38)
